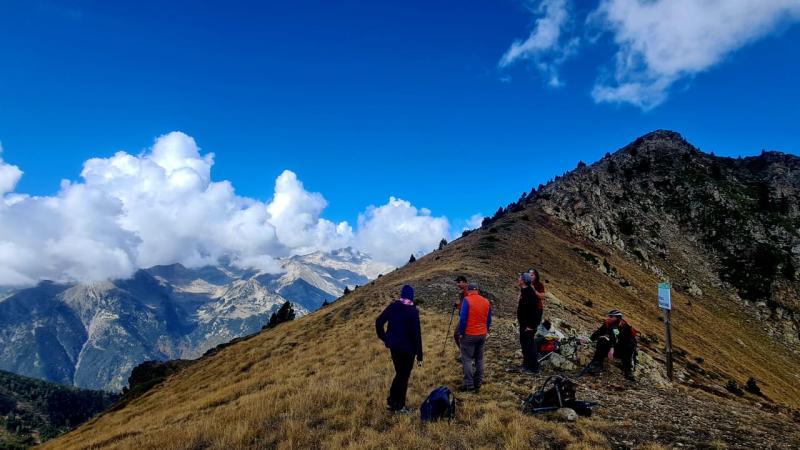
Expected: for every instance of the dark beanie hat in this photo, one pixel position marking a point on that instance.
(407, 293)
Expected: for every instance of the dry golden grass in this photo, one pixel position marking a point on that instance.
(320, 394)
(321, 381)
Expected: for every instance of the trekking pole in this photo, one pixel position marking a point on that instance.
(452, 313)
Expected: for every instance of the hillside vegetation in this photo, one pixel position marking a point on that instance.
(32, 411)
(321, 381)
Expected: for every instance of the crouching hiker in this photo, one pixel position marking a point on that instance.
(404, 339)
(616, 334)
(474, 322)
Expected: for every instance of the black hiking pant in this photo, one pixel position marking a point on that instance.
(530, 352)
(622, 352)
(403, 363)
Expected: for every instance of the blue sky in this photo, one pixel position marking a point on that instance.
(366, 100)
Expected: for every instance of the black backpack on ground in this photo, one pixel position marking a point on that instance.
(440, 404)
(560, 394)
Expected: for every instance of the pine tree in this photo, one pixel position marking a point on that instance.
(442, 243)
(346, 290)
(412, 259)
(285, 313)
(752, 386)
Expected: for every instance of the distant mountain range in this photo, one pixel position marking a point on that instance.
(92, 335)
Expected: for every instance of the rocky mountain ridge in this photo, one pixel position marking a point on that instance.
(701, 221)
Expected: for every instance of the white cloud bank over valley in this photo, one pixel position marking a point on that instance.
(162, 207)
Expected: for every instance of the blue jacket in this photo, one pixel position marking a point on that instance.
(404, 333)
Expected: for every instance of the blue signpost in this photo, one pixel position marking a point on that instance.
(665, 303)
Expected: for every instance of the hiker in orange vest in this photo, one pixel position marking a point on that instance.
(474, 322)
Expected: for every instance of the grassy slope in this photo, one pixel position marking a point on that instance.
(321, 381)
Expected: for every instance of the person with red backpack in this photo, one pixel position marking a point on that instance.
(615, 333)
(529, 315)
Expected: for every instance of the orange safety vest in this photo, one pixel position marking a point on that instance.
(478, 314)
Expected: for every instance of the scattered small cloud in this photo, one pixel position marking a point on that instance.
(663, 41)
(546, 46)
(473, 222)
(658, 43)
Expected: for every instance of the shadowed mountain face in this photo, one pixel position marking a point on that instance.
(321, 381)
(93, 334)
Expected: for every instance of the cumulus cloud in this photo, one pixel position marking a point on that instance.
(295, 214)
(162, 207)
(9, 175)
(663, 41)
(657, 43)
(473, 222)
(546, 46)
(396, 230)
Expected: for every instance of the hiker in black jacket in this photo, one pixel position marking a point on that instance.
(404, 340)
(614, 333)
(529, 315)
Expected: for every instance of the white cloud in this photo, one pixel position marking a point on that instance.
(392, 232)
(658, 42)
(663, 41)
(473, 222)
(161, 207)
(295, 214)
(546, 45)
(9, 175)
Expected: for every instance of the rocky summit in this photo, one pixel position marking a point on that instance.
(703, 222)
(92, 335)
(723, 232)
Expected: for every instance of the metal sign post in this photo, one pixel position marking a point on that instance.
(665, 303)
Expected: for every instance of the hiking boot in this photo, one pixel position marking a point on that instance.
(466, 389)
(595, 368)
(629, 376)
(529, 371)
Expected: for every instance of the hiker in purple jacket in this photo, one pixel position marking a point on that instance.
(404, 339)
